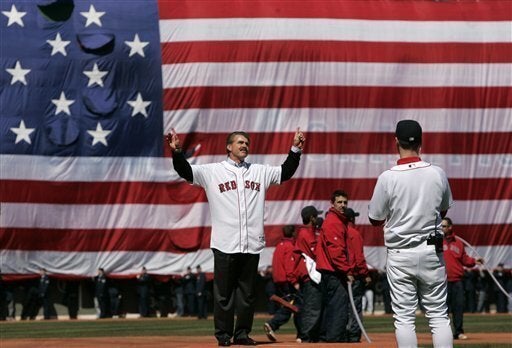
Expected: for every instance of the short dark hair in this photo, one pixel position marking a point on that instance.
(450, 223)
(231, 137)
(413, 146)
(288, 231)
(338, 193)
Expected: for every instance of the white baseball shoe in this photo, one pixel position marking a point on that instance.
(269, 332)
(461, 336)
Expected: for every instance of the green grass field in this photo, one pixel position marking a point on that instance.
(192, 327)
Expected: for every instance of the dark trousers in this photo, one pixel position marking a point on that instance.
(234, 290)
(143, 301)
(202, 306)
(283, 314)
(190, 302)
(311, 311)
(335, 316)
(456, 305)
(353, 329)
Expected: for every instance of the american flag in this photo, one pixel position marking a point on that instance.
(88, 89)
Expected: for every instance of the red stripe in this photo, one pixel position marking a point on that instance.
(334, 51)
(19, 191)
(356, 9)
(337, 97)
(192, 239)
(355, 143)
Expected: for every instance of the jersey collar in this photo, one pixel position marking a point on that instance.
(406, 160)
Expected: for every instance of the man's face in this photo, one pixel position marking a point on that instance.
(340, 203)
(447, 229)
(239, 148)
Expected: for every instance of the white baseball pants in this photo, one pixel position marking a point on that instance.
(418, 274)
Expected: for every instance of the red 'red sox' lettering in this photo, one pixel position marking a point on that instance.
(255, 186)
(231, 185)
(227, 186)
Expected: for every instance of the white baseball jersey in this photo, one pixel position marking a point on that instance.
(237, 200)
(410, 198)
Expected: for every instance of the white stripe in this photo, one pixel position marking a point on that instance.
(87, 263)
(336, 74)
(87, 169)
(337, 120)
(318, 29)
(130, 263)
(84, 216)
(493, 255)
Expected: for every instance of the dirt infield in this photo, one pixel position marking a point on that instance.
(381, 340)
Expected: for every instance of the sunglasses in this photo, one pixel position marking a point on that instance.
(444, 226)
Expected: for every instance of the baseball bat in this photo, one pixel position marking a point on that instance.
(284, 303)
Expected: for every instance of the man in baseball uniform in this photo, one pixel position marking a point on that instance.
(236, 193)
(410, 200)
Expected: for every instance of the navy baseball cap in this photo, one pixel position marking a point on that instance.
(309, 211)
(351, 214)
(408, 132)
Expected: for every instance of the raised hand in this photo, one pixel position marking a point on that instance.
(299, 139)
(173, 140)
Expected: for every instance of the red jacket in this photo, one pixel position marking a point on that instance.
(456, 258)
(282, 260)
(305, 243)
(332, 253)
(356, 252)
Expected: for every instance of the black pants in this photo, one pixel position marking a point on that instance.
(234, 292)
(353, 329)
(283, 314)
(335, 316)
(311, 311)
(456, 305)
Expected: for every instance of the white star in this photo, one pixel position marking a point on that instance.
(18, 74)
(58, 45)
(62, 104)
(14, 16)
(139, 105)
(22, 133)
(95, 76)
(137, 46)
(92, 16)
(99, 135)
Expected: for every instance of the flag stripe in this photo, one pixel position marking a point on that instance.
(335, 51)
(191, 239)
(18, 191)
(327, 29)
(336, 97)
(320, 166)
(337, 120)
(359, 143)
(375, 10)
(179, 216)
(336, 74)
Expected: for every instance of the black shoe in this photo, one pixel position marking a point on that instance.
(245, 342)
(225, 343)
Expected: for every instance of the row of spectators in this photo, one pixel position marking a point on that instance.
(190, 295)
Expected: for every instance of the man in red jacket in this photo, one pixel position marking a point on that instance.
(357, 262)
(456, 259)
(332, 262)
(306, 278)
(283, 265)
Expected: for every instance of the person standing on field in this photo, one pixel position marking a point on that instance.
(456, 259)
(409, 200)
(236, 191)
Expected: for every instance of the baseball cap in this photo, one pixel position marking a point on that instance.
(351, 214)
(309, 211)
(408, 132)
